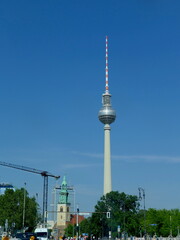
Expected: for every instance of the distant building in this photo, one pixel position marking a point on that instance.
(74, 219)
(63, 208)
(4, 186)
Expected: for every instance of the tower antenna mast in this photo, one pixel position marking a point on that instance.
(107, 71)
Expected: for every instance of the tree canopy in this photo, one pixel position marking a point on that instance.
(13, 204)
(123, 209)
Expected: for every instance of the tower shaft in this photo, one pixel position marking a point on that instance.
(107, 160)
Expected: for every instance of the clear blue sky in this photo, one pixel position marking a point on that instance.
(52, 75)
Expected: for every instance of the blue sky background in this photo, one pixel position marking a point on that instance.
(52, 75)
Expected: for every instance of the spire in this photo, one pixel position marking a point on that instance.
(64, 183)
(64, 192)
(107, 83)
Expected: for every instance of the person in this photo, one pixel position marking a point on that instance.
(32, 237)
(5, 237)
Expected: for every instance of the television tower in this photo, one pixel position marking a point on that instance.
(107, 115)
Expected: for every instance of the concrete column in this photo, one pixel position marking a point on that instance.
(107, 160)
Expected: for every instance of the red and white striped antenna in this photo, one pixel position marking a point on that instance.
(107, 81)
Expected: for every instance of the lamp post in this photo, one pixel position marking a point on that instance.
(170, 220)
(77, 223)
(24, 206)
(141, 190)
(122, 206)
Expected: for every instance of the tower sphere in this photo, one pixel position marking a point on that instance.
(107, 114)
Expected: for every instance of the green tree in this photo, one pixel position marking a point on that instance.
(69, 230)
(123, 209)
(162, 222)
(84, 226)
(12, 207)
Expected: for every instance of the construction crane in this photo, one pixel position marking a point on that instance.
(44, 174)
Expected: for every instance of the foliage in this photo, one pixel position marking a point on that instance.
(163, 222)
(69, 230)
(123, 209)
(84, 227)
(12, 208)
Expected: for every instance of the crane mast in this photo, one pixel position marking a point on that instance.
(44, 174)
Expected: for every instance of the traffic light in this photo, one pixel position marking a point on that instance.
(108, 214)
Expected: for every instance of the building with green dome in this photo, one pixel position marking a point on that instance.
(63, 207)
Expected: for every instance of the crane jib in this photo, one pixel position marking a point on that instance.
(44, 174)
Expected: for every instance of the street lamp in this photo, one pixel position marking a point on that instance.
(170, 219)
(24, 205)
(124, 211)
(77, 223)
(141, 190)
